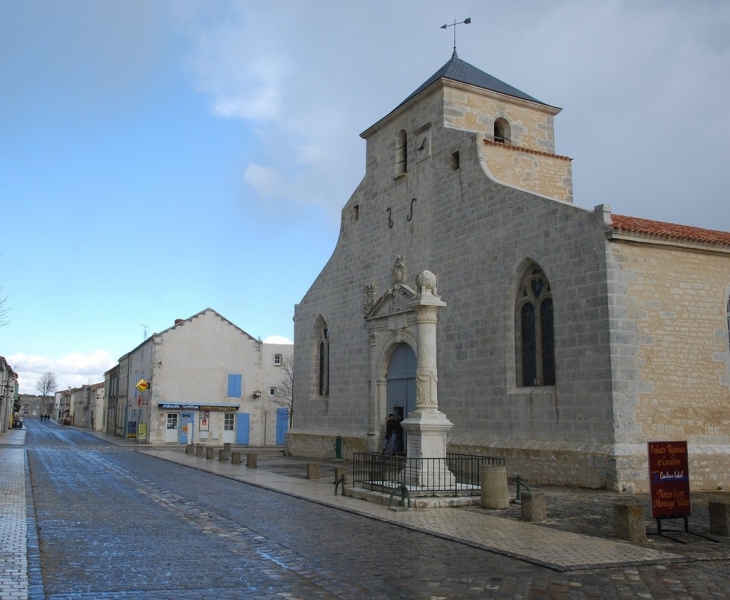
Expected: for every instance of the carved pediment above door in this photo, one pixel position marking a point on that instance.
(393, 302)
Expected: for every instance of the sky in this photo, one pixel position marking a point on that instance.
(161, 157)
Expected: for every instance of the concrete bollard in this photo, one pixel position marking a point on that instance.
(227, 446)
(235, 457)
(199, 450)
(719, 517)
(210, 452)
(312, 471)
(493, 479)
(533, 506)
(252, 461)
(628, 522)
(339, 473)
(222, 456)
(189, 449)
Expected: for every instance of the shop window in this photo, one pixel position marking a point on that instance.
(229, 421)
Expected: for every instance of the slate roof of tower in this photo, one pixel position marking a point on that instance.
(459, 70)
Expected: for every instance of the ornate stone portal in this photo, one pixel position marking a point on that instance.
(426, 425)
(403, 314)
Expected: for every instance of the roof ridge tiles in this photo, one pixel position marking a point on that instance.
(669, 230)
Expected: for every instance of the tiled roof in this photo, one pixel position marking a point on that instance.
(670, 230)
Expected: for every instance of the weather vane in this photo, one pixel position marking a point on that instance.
(454, 24)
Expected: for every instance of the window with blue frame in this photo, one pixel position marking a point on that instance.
(235, 383)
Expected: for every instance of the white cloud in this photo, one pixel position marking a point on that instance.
(629, 98)
(277, 339)
(73, 370)
(266, 180)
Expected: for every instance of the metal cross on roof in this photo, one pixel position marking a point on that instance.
(454, 24)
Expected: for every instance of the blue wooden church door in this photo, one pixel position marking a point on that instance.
(401, 392)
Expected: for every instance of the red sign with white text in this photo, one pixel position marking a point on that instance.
(669, 479)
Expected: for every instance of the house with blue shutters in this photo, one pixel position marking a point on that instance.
(206, 381)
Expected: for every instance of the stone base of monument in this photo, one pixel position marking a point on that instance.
(434, 501)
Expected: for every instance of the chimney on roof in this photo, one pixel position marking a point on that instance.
(178, 321)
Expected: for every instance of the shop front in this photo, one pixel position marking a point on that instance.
(194, 423)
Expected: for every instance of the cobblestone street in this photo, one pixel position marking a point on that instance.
(116, 523)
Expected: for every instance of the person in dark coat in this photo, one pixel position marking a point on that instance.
(390, 435)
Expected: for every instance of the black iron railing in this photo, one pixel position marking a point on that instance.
(457, 474)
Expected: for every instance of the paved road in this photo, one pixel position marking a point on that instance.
(114, 523)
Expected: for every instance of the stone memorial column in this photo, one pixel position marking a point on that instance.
(426, 425)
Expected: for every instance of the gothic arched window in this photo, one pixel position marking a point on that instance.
(323, 357)
(401, 153)
(534, 337)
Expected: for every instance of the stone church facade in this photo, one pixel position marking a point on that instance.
(566, 338)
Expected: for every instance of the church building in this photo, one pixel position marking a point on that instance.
(565, 338)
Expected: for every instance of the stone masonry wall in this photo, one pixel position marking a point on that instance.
(478, 237)
(541, 173)
(676, 301)
(470, 109)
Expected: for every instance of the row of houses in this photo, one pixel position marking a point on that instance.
(8, 394)
(203, 381)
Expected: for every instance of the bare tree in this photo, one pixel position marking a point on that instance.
(285, 390)
(46, 386)
(4, 310)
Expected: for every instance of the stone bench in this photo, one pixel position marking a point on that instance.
(628, 521)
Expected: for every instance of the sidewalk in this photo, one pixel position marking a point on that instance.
(13, 525)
